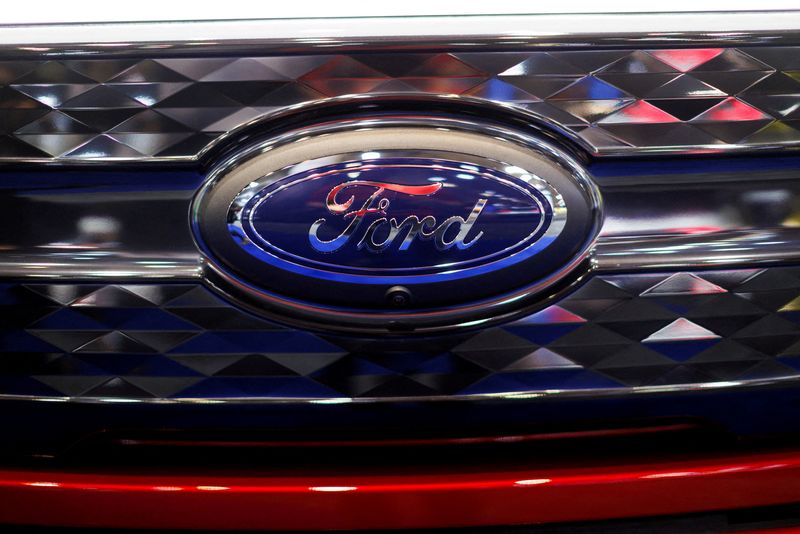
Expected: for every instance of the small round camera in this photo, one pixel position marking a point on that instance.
(398, 296)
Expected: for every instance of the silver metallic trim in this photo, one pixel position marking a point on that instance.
(719, 249)
(610, 102)
(248, 129)
(510, 396)
(760, 247)
(392, 33)
(185, 266)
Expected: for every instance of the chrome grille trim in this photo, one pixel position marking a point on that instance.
(659, 214)
(627, 334)
(723, 385)
(681, 84)
(644, 254)
(464, 32)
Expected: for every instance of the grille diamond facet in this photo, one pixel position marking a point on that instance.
(607, 100)
(613, 333)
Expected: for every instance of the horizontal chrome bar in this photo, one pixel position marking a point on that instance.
(114, 225)
(411, 33)
(738, 385)
(103, 267)
(647, 253)
(715, 249)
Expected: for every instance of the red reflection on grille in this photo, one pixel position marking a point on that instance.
(685, 60)
(732, 109)
(641, 113)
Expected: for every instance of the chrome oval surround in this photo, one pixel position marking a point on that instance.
(354, 301)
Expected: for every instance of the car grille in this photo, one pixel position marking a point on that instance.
(691, 307)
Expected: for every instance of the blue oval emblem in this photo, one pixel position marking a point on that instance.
(390, 217)
(358, 230)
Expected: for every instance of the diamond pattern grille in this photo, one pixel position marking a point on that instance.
(610, 101)
(615, 332)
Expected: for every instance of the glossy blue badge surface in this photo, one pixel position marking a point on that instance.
(386, 219)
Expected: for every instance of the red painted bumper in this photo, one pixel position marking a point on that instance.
(410, 499)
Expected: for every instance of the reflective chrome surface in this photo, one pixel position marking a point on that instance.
(712, 249)
(103, 265)
(615, 335)
(613, 101)
(398, 33)
(92, 224)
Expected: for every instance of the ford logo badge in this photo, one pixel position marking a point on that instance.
(457, 221)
